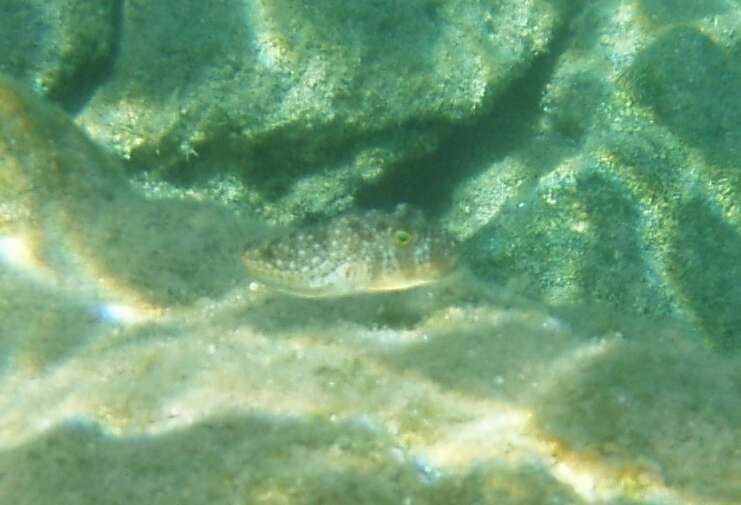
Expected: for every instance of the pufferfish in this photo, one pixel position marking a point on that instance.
(354, 253)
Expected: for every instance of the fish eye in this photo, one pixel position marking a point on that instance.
(402, 237)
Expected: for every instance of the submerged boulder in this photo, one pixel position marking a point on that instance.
(306, 101)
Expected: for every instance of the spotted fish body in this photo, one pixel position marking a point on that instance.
(353, 253)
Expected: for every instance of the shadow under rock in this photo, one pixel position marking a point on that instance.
(367, 33)
(472, 147)
(380, 38)
(278, 313)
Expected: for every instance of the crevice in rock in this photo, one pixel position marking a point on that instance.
(429, 182)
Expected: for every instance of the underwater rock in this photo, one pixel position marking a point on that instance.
(355, 253)
(622, 187)
(467, 400)
(305, 100)
(48, 164)
(68, 216)
(57, 47)
(580, 188)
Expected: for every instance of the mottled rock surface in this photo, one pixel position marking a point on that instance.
(78, 219)
(621, 185)
(60, 48)
(586, 352)
(306, 102)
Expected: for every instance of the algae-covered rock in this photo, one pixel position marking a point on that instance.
(68, 214)
(466, 395)
(579, 353)
(628, 424)
(60, 48)
(307, 101)
(623, 188)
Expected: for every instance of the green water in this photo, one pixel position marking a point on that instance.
(583, 155)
